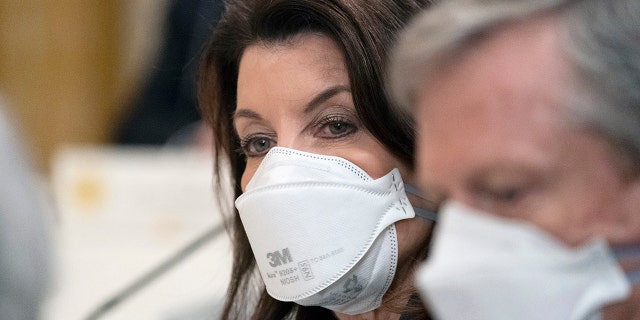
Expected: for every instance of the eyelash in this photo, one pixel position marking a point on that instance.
(507, 195)
(325, 122)
(503, 198)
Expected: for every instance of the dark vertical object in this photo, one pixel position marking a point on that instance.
(167, 102)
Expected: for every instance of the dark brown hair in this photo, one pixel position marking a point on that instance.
(364, 30)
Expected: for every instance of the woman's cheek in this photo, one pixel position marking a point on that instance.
(249, 171)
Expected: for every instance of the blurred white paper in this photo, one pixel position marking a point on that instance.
(123, 211)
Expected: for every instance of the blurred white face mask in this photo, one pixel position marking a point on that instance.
(483, 267)
(322, 230)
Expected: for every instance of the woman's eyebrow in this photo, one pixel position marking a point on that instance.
(314, 103)
(324, 96)
(246, 113)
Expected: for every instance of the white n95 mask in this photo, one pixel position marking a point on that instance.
(322, 230)
(484, 267)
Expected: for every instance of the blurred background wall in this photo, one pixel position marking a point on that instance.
(68, 67)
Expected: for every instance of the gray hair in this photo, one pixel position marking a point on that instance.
(24, 248)
(602, 41)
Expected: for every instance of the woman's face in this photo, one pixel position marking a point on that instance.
(297, 95)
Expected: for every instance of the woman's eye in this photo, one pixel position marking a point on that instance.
(336, 128)
(256, 146)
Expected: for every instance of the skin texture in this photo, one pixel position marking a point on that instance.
(296, 95)
(493, 134)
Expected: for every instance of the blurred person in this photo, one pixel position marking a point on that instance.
(528, 120)
(166, 110)
(294, 92)
(24, 246)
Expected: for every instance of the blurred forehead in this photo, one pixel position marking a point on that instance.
(507, 58)
(507, 89)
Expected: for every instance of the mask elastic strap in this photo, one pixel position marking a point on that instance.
(420, 212)
(629, 259)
